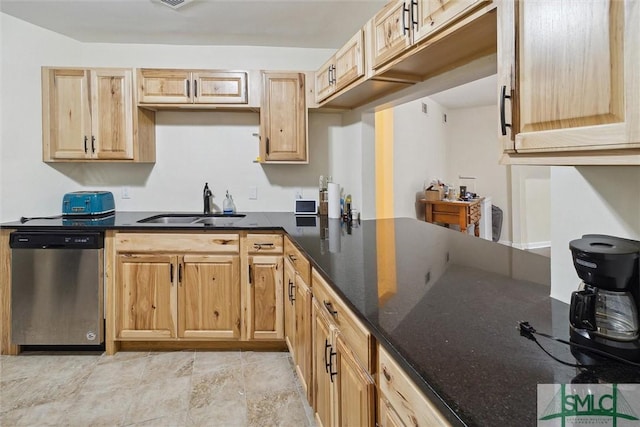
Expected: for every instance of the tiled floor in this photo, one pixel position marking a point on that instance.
(182, 388)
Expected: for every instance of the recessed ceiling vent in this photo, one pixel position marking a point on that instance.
(173, 4)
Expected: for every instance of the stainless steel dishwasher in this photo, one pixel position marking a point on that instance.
(57, 288)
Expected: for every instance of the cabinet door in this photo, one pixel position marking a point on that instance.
(506, 40)
(387, 416)
(219, 87)
(164, 86)
(283, 118)
(265, 317)
(325, 83)
(355, 389)
(209, 297)
(433, 15)
(112, 114)
(577, 79)
(349, 61)
(302, 341)
(66, 114)
(391, 31)
(322, 354)
(290, 308)
(146, 296)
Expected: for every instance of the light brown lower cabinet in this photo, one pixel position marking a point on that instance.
(146, 297)
(265, 319)
(343, 390)
(172, 286)
(185, 296)
(401, 400)
(355, 389)
(209, 297)
(297, 327)
(387, 416)
(302, 341)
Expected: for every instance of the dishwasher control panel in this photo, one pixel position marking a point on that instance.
(57, 240)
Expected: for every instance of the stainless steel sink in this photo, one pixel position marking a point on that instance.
(219, 220)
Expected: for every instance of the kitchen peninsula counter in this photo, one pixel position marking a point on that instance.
(446, 306)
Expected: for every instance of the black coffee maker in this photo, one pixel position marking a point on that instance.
(604, 310)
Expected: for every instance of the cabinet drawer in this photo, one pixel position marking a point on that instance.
(264, 243)
(413, 408)
(177, 242)
(445, 209)
(352, 330)
(299, 261)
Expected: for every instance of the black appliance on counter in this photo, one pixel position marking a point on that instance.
(604, 310)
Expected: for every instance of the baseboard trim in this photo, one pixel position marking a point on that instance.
(532, 245)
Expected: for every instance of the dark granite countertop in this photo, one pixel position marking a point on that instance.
(446, 305)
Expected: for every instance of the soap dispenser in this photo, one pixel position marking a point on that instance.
(228, 207)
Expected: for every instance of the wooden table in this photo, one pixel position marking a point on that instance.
(456, 212)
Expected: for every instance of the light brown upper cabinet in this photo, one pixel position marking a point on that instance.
(283, 118)
(569, 82)
(167, 86)
(89, 115)
(344, 67)
(403, 23)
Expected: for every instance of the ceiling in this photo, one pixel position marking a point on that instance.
(280, 23)
(477, 93)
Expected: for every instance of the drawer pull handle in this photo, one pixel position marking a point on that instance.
(329, 308)
(332, 373)
(171, 274)
(405, 28)
(327, 346)
(292, 297)
(503, 121)
(292, 258)
(259, 246)
(386, 374)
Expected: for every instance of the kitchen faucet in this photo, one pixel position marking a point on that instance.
(207, 195)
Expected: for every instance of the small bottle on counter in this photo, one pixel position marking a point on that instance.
(228, 207)
(346, 216)
(323, 205)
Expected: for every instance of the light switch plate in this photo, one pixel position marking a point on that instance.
(253, 193)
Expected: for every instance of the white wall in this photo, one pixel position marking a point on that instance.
(419, 155)
(531, 206)
(589, 199)
(472, 151)
(191, 147)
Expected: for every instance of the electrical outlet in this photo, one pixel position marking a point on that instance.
(298, 193)
(253, 193)
(425, 110)
(125, 193)
(444, 118)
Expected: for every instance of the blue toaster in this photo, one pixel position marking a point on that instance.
(88, 203)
